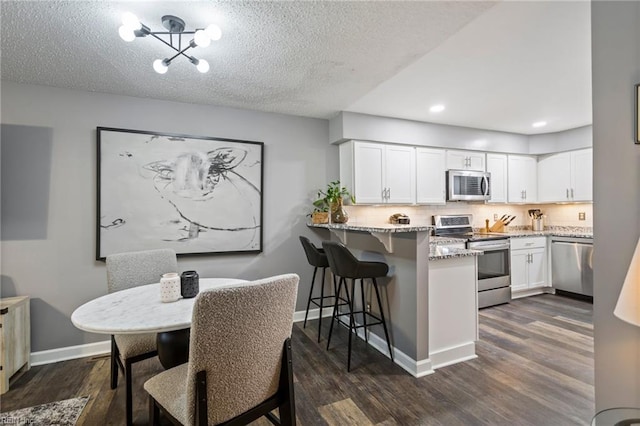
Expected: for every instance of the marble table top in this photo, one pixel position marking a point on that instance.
(139, 310)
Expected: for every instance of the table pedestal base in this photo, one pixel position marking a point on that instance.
(173, 347)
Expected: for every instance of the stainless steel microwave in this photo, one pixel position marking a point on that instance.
(468, 185)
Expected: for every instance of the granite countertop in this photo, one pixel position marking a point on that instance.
(384, 227)
(445, 240)
(438, 252)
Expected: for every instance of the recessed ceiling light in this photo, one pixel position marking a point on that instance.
(539, 124)
(437, 108)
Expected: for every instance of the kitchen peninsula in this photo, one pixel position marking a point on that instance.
(430, 293)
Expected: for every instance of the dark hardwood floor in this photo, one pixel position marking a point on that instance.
(534, 367)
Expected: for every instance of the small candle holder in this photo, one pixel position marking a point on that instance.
(189, 284)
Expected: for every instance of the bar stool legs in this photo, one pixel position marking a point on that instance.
(313, 299)
(353, 326)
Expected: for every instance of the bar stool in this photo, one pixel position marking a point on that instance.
(345, 265)
(318, 259)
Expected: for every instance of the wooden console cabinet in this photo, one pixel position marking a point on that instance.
(15, 338)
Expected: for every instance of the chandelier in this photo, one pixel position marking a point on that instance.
(132, 28)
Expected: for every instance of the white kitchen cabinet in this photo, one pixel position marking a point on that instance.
(523, 181)
(465, 160)
(378, 173)
(497, 166)
(567, 176)
(430, 176)
(528, 263)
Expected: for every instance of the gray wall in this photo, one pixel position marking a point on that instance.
(580, 137)
(59, 271)
(350, 125)
(616, 68)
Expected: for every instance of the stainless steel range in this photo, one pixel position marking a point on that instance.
(494, 269)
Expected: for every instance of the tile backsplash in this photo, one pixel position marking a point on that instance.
(554, 214)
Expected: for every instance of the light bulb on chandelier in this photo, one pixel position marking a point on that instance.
(132, 28)
(161, 66)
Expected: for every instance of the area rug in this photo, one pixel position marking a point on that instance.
(58, 413)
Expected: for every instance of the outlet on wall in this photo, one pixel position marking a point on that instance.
(582, 216)
(495, 216)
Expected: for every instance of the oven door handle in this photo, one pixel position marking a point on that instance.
(490, 247)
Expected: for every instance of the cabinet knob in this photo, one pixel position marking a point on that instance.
(571, 193)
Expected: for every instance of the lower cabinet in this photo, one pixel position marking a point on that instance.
(528, 263)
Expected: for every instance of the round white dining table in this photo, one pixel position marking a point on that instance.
(139, 310)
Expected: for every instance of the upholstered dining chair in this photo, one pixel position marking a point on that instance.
(126, 270)
(239, 365)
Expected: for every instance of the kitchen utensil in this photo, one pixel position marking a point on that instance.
(509, 221)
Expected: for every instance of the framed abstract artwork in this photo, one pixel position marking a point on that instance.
(197, 195)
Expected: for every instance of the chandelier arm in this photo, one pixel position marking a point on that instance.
(169, 32)
(164, 41)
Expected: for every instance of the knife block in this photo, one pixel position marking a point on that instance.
(497, 227)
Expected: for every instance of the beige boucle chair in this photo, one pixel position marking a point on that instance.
(239, 365)
(126, 270)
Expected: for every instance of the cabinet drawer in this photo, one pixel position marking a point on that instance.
(527, 243)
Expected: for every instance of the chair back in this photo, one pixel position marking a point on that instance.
(316, 257)
(131, 269)
(237, 336)
(342, 262)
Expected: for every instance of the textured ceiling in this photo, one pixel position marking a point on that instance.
(499, 66)
(306, 58)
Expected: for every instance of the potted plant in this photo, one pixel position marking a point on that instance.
(320, 212)
(331, 200)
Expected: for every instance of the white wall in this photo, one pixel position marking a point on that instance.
(59, 271)
(616, 68)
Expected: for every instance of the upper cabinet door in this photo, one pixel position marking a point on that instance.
(377, 173)
(400, 174)
(465, 160)
(582, 175)
(567, 176)
(523, 181)
(554, 178)
(430, 176)
(368, 177)
(497, 166)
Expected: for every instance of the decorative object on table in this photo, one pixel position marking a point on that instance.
(60, 413)
(333, 198)
(637, 113)
(399, 219)
(197, 195)
(169, 287)
(189, 284)
(202, 37)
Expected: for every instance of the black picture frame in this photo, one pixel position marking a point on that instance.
(637, 112)
(199, 195)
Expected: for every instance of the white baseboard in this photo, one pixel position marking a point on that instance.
(91, 349)
(415, 368)
(313, 314)
(530, 292)
(70, 352)
(453, 355)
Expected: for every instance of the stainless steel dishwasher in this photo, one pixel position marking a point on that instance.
(572, 265)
